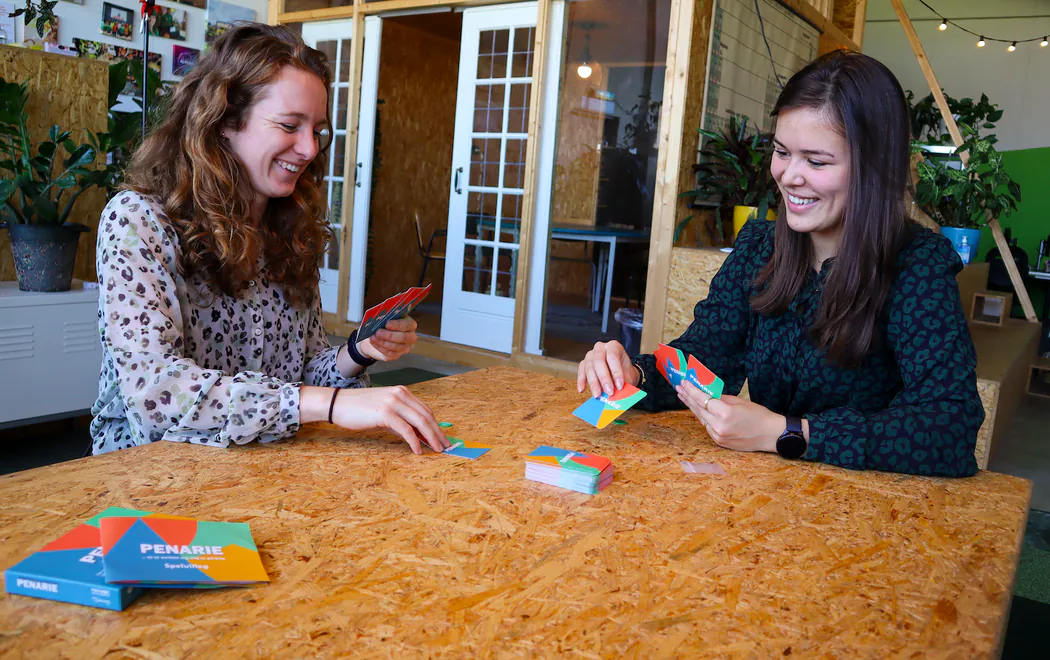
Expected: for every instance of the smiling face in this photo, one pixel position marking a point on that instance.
(811, 167)
(281, 133)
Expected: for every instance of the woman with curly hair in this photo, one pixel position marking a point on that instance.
(209, 312)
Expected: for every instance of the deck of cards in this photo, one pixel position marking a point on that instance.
(583, 473)
(393, 308)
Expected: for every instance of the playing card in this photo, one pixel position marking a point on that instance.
(466, 449)
(602, 410)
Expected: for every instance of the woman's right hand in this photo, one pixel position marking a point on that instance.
(393, 408)
(606, 368)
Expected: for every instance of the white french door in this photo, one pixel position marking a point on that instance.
(488, 175)
(335, 39)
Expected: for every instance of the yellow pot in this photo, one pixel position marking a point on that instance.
(741, 214)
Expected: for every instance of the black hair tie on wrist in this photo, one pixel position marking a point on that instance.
(331, 406)
(355, 355)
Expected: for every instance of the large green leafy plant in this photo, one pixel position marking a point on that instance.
(733, 171)
(45, 11)
(927, 125)
(967, 197)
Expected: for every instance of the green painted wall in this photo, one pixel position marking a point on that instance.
(1031, 223)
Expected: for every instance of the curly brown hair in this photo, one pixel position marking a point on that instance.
(205, 190)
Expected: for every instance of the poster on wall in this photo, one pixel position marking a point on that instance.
(183, 59)
(199, 4)
(222, 16)
(117, 21)
(168, 23)
(95, 50)
(31, 35)
(7, 23)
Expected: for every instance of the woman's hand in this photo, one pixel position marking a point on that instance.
(393, 408)
(391, 342)
(606, 368)
(732, 422)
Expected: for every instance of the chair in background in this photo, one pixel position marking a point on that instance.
(999, 277)
(427, 252)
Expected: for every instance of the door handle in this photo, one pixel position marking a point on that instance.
(459, 171)
(357, 179)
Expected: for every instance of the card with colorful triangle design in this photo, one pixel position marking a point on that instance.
(602, 410)
(171, 552)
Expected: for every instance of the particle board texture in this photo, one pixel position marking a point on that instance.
(71, 92)
(375, 552)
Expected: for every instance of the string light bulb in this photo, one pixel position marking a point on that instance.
(1045, 42)
(944, 25)
(980, 42)
(1012, 47)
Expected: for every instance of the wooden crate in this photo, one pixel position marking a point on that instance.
(1039, 378)
(991, 307)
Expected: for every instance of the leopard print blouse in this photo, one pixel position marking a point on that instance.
(181, 362)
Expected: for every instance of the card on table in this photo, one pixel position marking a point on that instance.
(602, 410)
(675, 367)
(466, 449)
(394, 307)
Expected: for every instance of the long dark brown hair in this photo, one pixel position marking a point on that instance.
(865, 101)
(206, 192)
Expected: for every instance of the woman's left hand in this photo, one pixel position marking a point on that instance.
(732, 422)
(391, 342)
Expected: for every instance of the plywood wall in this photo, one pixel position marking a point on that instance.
(72, 93)
(418, 75)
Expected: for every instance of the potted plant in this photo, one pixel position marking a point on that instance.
(41, 184)
(733, 172)
(963, 199)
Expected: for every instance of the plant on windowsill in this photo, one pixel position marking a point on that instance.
(733, 173)
(41, 183)
(966, 198)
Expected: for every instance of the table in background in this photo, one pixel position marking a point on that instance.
(374, 551)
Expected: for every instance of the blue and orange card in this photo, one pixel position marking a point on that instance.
(179, 551)
(602, 410)
(69, 569)
(675, 367)
(466, 449)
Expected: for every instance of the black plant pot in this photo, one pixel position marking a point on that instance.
(45, 255)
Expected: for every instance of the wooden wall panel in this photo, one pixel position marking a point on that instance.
(418, 76)
(71, 92)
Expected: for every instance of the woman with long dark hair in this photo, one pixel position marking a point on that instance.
(843, 315)
(208, 264)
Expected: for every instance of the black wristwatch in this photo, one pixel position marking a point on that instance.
(792, 443)
(355, 355)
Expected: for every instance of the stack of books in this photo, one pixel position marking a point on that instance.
(109, 560)
(584, 473)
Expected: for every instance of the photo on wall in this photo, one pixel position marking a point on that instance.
(168, 23)
(96, 50)
(183, 59)
(222, 16)
(117, 21)
(31, 36)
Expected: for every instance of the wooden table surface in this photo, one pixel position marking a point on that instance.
(373, 551)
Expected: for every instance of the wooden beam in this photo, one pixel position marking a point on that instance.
(305, 16)
(859, 19)
(532, 168)
(953, 130)
(665, 201)
(824, 25)
(357, 44)
(273, 11)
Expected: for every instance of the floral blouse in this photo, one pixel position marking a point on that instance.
(911, 406)
(183, 363)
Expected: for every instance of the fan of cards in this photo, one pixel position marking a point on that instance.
(393, 308)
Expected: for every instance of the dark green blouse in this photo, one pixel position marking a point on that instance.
(911, 406)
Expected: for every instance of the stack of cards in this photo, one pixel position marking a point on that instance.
(394, 307)
(583, 473)
(674, 366)
(602, 410)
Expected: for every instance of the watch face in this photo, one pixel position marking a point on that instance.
(791, 445)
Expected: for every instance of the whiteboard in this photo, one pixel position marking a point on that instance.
(740, 76)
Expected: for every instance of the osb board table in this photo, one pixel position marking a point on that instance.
(379, 553)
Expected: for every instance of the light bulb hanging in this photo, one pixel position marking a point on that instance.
(585, 69)
(1045, 42)
(944, 25)
(980, 42)
(1012, 47)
